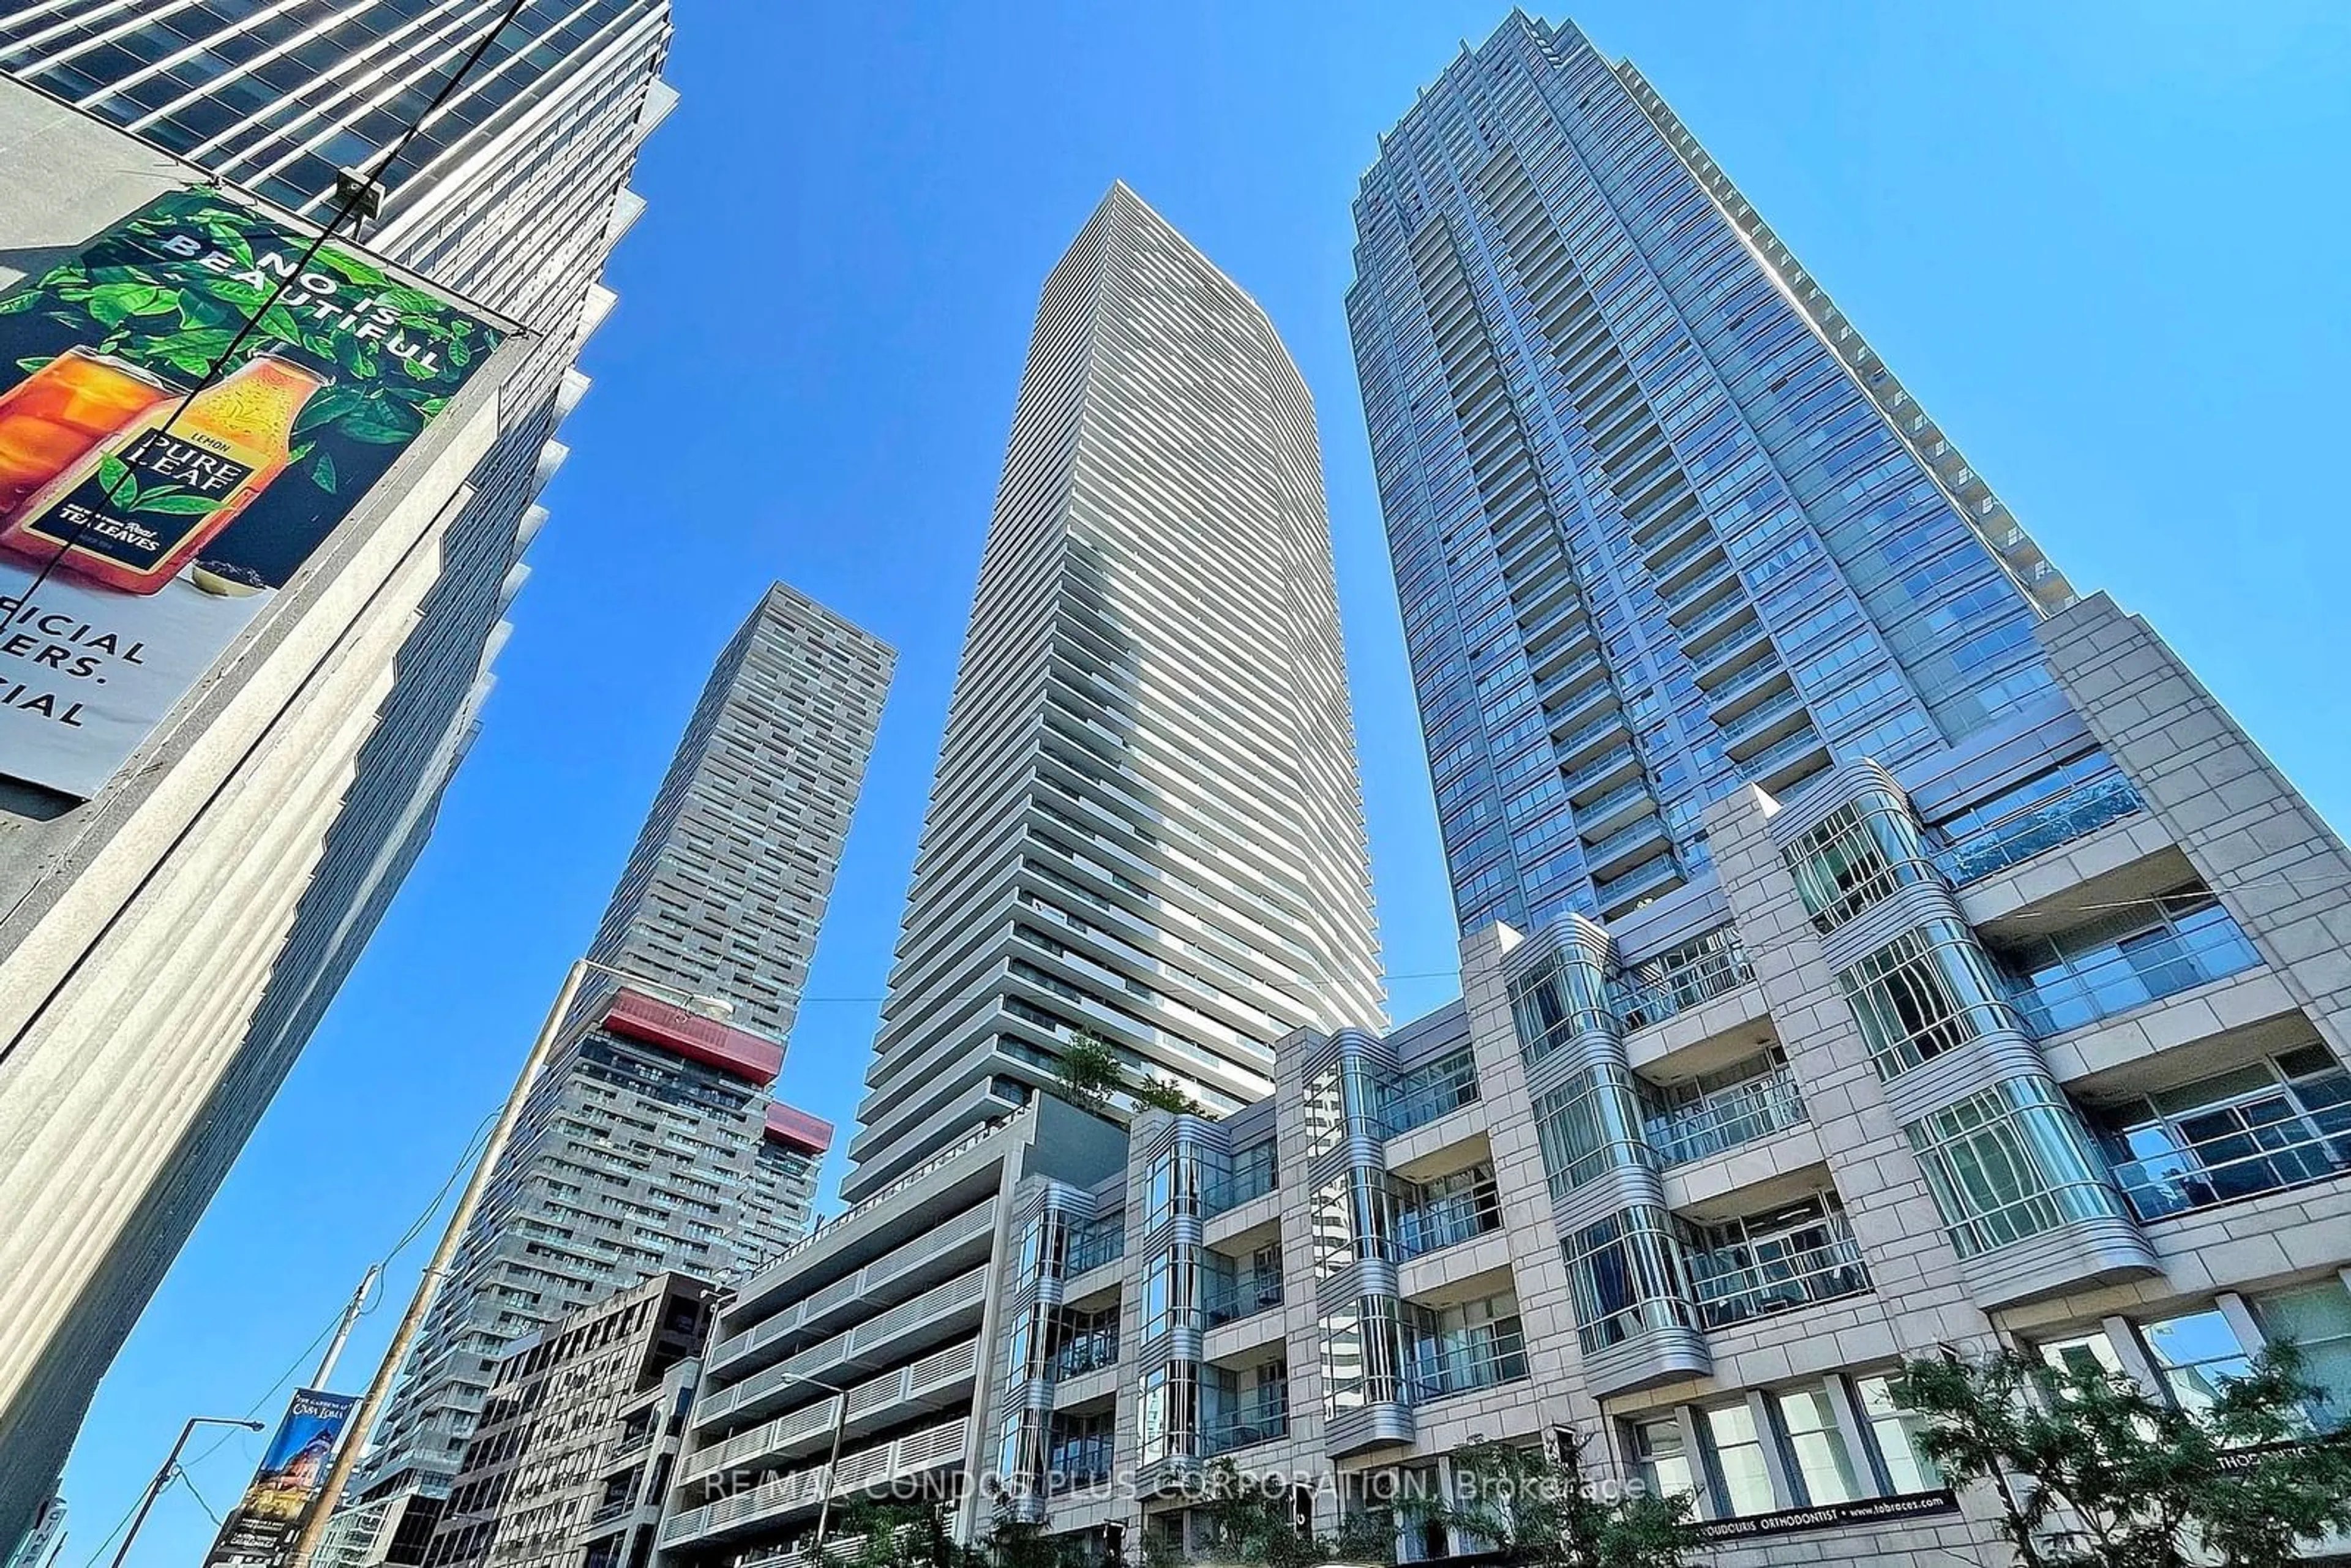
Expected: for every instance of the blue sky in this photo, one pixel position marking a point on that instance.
(2099, 242)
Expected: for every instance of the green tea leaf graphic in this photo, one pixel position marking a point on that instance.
(178, 505)
(17, 304)
(34, 363)
(322, 471)
(384, 423)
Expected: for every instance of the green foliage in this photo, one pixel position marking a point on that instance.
(2095, 1472)
(1091, 1074)
(1090, 1071)
(866, 1534)
(1541, 1511)
(1247, 1521)
(1165, 1095)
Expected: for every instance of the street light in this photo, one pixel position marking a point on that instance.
(171, 1467)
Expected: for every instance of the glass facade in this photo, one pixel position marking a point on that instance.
(1660, 523)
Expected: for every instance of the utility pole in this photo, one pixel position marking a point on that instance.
(371, 1407)
(170, 1469)
(343, 1329)
(436, 1272)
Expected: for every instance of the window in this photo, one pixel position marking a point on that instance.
(1658, 1458)
(1562, 997)
(2272, 1124)
(2174, 941)
(1922, 994)
(1626, 1277)
(1589, 1126)
(1743, 1476)
(1861, 853)
(2085, 1352)
(2318, 1319)
(2009, 1163)
(2196, 1352)
(1895, 1431)
(1823, 1466)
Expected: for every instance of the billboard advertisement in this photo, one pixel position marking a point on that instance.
(148, 514)
(263, 1523)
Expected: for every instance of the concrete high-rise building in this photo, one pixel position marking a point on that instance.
(1145, 827)
(730, 873)
(1968, 975)
(570, 1463)
(1662, 522)
(512, 197)
(1146, 823)
(650, 1140)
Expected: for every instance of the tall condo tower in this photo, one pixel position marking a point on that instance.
(1146, 828)
(1146, 824)
(651, 1140)
(511, 198)
(1662, 523)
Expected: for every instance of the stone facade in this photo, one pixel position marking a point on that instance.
(1970, 1061)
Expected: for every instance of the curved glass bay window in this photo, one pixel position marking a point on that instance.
(2009, 1163)
(1862, 852)
(1559, 998)
(1922, 994)
(1362, 1359)
(1626, 1277)
(1589, 1125)
(1167, 1413)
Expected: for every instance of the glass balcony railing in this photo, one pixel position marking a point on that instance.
(1261, 1421)
(1735, 1285)
(1726, 1118)
(1073, 1464)
(1463, 1362)
(1234, 1189)
(1697, 972)
(1242, 1298)
(2086, 807)
(1427, 1093)
(1087, 1352)
(2233, 1166)
(2205, 946)
(1094, 1246)
(1447, 1221)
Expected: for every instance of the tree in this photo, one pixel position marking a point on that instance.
(1091, 1073)
(2094, 1471)
(1254, 1520)
(1537, 1511)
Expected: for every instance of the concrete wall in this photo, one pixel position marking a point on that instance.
(137, 930)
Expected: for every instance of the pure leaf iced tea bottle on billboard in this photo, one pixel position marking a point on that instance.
(134, 511)
(56, 415)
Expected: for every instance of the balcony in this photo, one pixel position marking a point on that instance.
(1421, 1096)
(2264, 1127)
(1447, 1221)
(1223, 1302)
(1699, 971)
(2086, 807)
(1259, 1421)
(1726, 1118)
(1086, 1352)
(1737, 1284)
(1621, 894)
(1799, 757)
(1075, 1464)
(1618, 765)
(1596, 820)
(1236, 1187)
(1092, 1246)
(1463, 1362)
(2192, 950)
(1625, 847)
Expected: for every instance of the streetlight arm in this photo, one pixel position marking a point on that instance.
(170, 1468)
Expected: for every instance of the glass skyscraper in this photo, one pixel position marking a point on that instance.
(1661, 521)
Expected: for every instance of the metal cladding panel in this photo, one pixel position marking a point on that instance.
(788, 1124)
(739, 1053)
